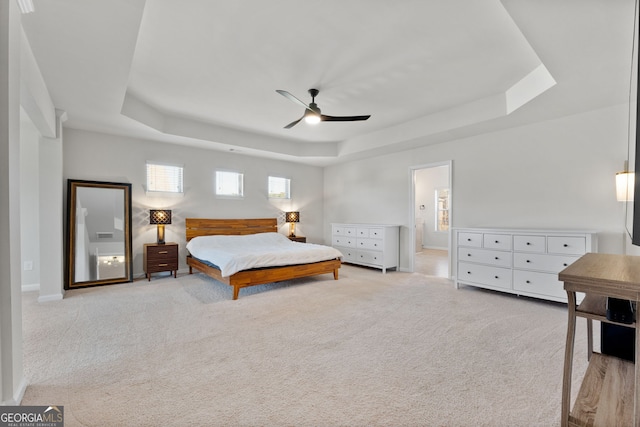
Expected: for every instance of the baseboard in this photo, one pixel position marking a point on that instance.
(436, 247)
(18, 395)
(31, 288)
(47, 298)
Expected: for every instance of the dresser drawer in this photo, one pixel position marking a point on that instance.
(535, 282)
(339, 230)
(543, 262)
(369, 257)
(496, 277)
(154, 266)
(485, 256)
(349, 254)
(470, 239)
(350, 231)
(566, 245)
(376, 233)
(530, 243)
(497, 241)
(373, 244)
(345, 241)
(362, 232)
(162, 252)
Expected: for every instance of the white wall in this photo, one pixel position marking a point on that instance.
(29, 202)
(51, 215)
(101, 157)
(12, 381)
(554, 174)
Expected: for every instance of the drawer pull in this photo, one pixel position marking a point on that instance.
(497, 241)
(496, 277)
(528, 244)
(468, 272)
(565, 264)
(162, 265)
(565, 245)
(468, 254)
(497, 258)
(163, 252)
(528, 261)
(528, 281)
(468, 240)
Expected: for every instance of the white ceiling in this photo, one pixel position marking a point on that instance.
(204, 72)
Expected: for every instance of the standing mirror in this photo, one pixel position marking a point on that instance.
(98, 233)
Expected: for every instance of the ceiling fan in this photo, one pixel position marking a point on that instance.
(312, 114)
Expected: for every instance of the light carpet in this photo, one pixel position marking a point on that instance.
(370, 349)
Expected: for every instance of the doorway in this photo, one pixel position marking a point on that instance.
(431, 215)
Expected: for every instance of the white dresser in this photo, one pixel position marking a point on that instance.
(523, 262)
(373, 245)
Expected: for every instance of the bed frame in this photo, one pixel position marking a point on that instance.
(258, 276)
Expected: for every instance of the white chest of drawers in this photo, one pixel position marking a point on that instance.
(523, 262)
(372, 245)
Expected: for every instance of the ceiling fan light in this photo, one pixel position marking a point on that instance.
(312, 119)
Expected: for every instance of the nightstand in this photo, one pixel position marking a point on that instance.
(159, 258)
(297, 239)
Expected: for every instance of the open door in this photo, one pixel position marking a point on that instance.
(431, 214)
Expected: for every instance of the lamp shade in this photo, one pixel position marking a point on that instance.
(624, 186)
(292, 217)
(159, 216)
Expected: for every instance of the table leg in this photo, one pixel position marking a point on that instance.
(636, 403)
(589, 338)
(568, 359)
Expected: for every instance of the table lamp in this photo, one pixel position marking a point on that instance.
(160, 217)
(292, 218)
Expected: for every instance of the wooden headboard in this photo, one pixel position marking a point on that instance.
(211, 227)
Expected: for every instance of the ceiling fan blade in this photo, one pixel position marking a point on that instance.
(342, 118)
(292, 124)
(292, 98)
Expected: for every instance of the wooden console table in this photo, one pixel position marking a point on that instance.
(610, 390)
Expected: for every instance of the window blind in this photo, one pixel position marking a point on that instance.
(165, 178)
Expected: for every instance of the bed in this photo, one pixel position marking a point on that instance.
(197, 227)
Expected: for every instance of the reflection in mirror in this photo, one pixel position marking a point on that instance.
(98, 234)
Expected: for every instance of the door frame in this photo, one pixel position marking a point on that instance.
(412, 208)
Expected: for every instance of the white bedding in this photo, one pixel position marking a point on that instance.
(235, 253)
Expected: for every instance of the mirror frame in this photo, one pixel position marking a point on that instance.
(72, 186)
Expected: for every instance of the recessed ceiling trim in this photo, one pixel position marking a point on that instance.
(473, 112)
(532, 85)
(26, 6)
(138, 110)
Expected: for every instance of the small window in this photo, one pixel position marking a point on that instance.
(279, 188)
(442, 209)
(164, 178)
(229, 184)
